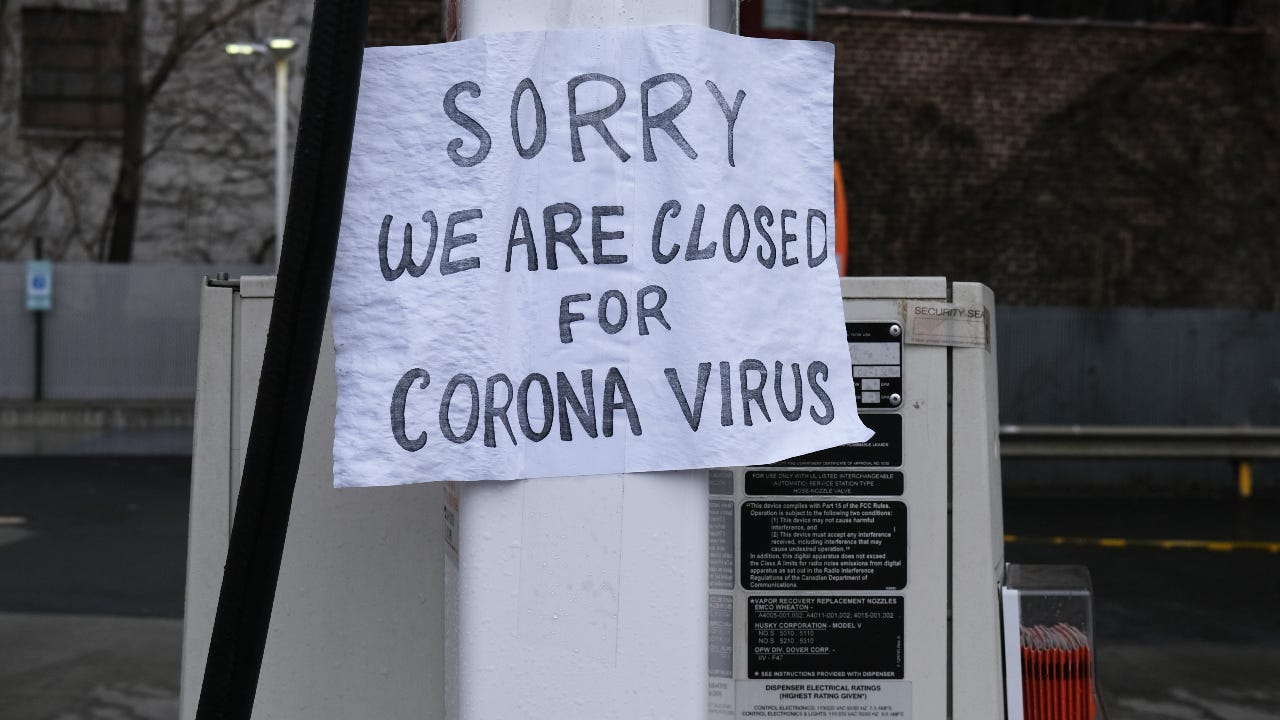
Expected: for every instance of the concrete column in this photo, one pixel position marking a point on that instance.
(580, 597)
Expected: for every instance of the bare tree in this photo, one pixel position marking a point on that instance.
(187, 30)
(188, 173)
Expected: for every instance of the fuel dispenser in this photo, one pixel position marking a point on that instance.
(861, 580)
(858, 581)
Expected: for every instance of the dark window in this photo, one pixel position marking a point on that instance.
(72, 70)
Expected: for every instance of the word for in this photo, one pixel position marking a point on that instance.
(664, 120)
(609, 299)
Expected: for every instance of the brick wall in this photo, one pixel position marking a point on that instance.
(1061, 163)
(404, 22)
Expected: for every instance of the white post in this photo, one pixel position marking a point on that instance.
(282, 141)
(580, 597)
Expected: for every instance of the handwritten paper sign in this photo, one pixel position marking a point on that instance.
(570, 253)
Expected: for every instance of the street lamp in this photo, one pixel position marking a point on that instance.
(280, 49)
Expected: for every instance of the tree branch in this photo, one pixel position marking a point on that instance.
(46, 178)
(186, 34)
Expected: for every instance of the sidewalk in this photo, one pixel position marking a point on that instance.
(96, 427)
(77, 667)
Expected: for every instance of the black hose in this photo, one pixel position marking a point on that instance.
(321, 152)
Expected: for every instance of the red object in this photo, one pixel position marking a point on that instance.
(782, 19)
(842, 224)
(1057, 674)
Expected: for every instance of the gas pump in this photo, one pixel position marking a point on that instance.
(859, 579)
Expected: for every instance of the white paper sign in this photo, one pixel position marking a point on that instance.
(589, 252)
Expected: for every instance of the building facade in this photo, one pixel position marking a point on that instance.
(1094, 162)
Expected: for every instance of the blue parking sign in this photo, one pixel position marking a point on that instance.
(39, 285)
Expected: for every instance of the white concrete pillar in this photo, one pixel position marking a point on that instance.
(580, 598)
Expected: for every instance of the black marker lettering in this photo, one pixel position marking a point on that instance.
(816, 368)
(492, 410)
(398, 399)
(565, 236)
(595, 118)
(815, 261)
(567, 317)
(693, 251)
(752, 392)
(763, 212)
(665, 120)
(540, 120)
(584, 410)
(522, 407)
(787, 239)
(602, 312)
(726, 394)
(730, 114)
(617, 397)
(446, 400)
(406, 249)
(451, 241)
(467, 123)
(673, 207)
(655, 312)
(797, 382)
(736, 210)
(599, 235)
(694, 416)
(526, 239)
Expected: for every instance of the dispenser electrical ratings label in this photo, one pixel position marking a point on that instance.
(838, 700)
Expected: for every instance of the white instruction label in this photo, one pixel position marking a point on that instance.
(824, 699)
(935, 323)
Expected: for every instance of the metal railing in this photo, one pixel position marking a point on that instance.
(1242, 444)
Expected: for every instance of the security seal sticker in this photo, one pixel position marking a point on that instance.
(936, 323)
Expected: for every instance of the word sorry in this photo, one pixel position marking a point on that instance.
(664, 120)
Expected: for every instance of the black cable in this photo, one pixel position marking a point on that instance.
(323, 147)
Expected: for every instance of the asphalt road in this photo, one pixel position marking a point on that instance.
(92, 560)
(92, 565)
(1186, 633)
(94, 535)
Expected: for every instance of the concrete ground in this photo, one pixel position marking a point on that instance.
(92, 562)
(92, 566)
(89, 667)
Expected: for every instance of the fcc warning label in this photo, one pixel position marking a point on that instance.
(841, 637)
(824, 545)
